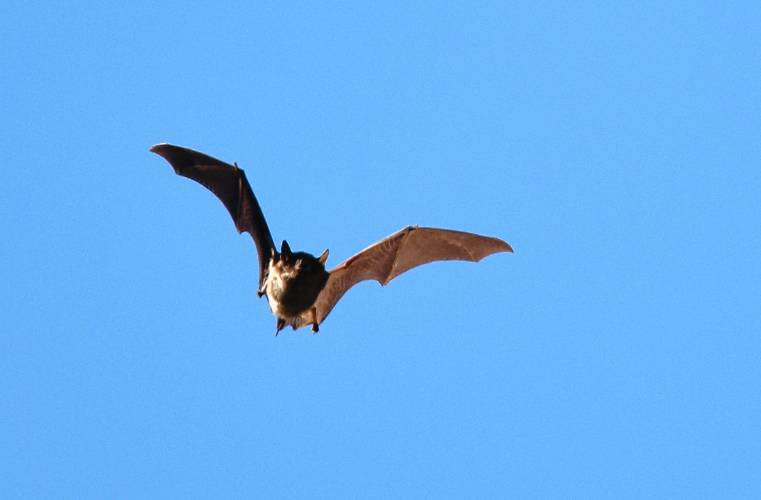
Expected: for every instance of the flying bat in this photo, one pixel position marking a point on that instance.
(299, 290)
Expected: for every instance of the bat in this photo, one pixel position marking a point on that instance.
(299, 289)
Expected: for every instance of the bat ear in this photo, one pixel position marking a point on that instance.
(324, 257)
(285, 250)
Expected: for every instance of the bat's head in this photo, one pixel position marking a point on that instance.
(290, 263)
(294, 280)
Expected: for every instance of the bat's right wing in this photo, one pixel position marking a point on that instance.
(230, 185)
(385, 260)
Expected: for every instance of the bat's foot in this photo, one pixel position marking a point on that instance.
(279, 325)
(315, 324)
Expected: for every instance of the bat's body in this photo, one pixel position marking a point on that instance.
(292, 286)
(299, 290)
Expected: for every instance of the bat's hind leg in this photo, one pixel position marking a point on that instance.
(315, 324)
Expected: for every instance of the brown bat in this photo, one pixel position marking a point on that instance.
(298, 288)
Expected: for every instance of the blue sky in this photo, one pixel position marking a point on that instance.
(615, 354)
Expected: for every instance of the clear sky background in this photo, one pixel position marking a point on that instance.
(616, 146)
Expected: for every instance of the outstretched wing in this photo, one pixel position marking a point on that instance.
(230, 185)
(410, 247)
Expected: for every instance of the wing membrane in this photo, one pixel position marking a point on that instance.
(229, 184)
(408, 248)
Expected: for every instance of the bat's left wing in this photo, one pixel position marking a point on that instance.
(230, 185)
(385, 260)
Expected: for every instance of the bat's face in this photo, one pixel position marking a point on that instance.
(294, 281)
